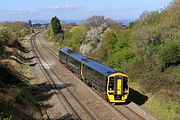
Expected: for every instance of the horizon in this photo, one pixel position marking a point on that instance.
(78, 22)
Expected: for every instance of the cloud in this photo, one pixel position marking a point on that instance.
(72, 7)
(51, 8)
(66, 7)
(19, 11)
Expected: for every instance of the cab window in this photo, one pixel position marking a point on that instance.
(111, 83)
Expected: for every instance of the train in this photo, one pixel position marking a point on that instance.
(111, 83)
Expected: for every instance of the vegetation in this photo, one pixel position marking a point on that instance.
(56, 26)
(4, 39)
(97, 21)
(148, 50)
(75, 37)
(18, 98)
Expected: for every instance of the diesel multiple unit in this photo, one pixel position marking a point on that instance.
(108, 81)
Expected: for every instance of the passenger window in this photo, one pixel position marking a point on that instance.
(111, 83)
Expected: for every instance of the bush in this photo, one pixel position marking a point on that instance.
(77, 35)
(170, 53)
(107, 45)
(92, 40)
(123, 39)
(4, 38)
(120, 57)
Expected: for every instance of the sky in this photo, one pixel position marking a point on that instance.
(23, 10)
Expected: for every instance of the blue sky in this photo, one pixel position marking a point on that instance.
(76, 9)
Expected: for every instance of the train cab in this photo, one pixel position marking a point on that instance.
(117, 87)
(111, 82)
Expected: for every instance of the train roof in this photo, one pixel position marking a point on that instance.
(73, 54)
(101, 68)
(105, 70)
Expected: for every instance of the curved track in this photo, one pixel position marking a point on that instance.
(59, 93)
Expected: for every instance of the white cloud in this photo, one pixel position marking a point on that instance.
(20, 11)
(71, 6)
(66, 7)
(51, 8)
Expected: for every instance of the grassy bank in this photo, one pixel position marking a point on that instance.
(18, 96)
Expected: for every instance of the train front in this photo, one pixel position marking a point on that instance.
(117, 87)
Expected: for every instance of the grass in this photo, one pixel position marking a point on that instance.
(18, 96)
(53, 44)
(163, 107)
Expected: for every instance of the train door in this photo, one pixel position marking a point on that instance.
(118, 86)
(82, 69)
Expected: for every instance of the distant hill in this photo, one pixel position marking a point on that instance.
(124, 21)
(78, 22)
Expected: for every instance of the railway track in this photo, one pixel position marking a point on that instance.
(125, 107)
(59, 93)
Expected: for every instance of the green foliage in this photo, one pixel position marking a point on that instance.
(123, 39)
(107, 45)
(17, 100)
(16, 94)
(76, 36)
(4, 38)
(151, 18)
(144, 39)
(4, 117)
(56, 25)
(170, 53)
(117, 59)
(16, 31)
(116, 49)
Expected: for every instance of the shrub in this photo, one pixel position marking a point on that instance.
(120, 57)
(77, 35)
(170, 53)
(123, 39)
(107, 45)
(4, 38)
(92, 40)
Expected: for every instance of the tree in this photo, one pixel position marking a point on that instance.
(56, 26)
(30, 23)
(97, 21)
